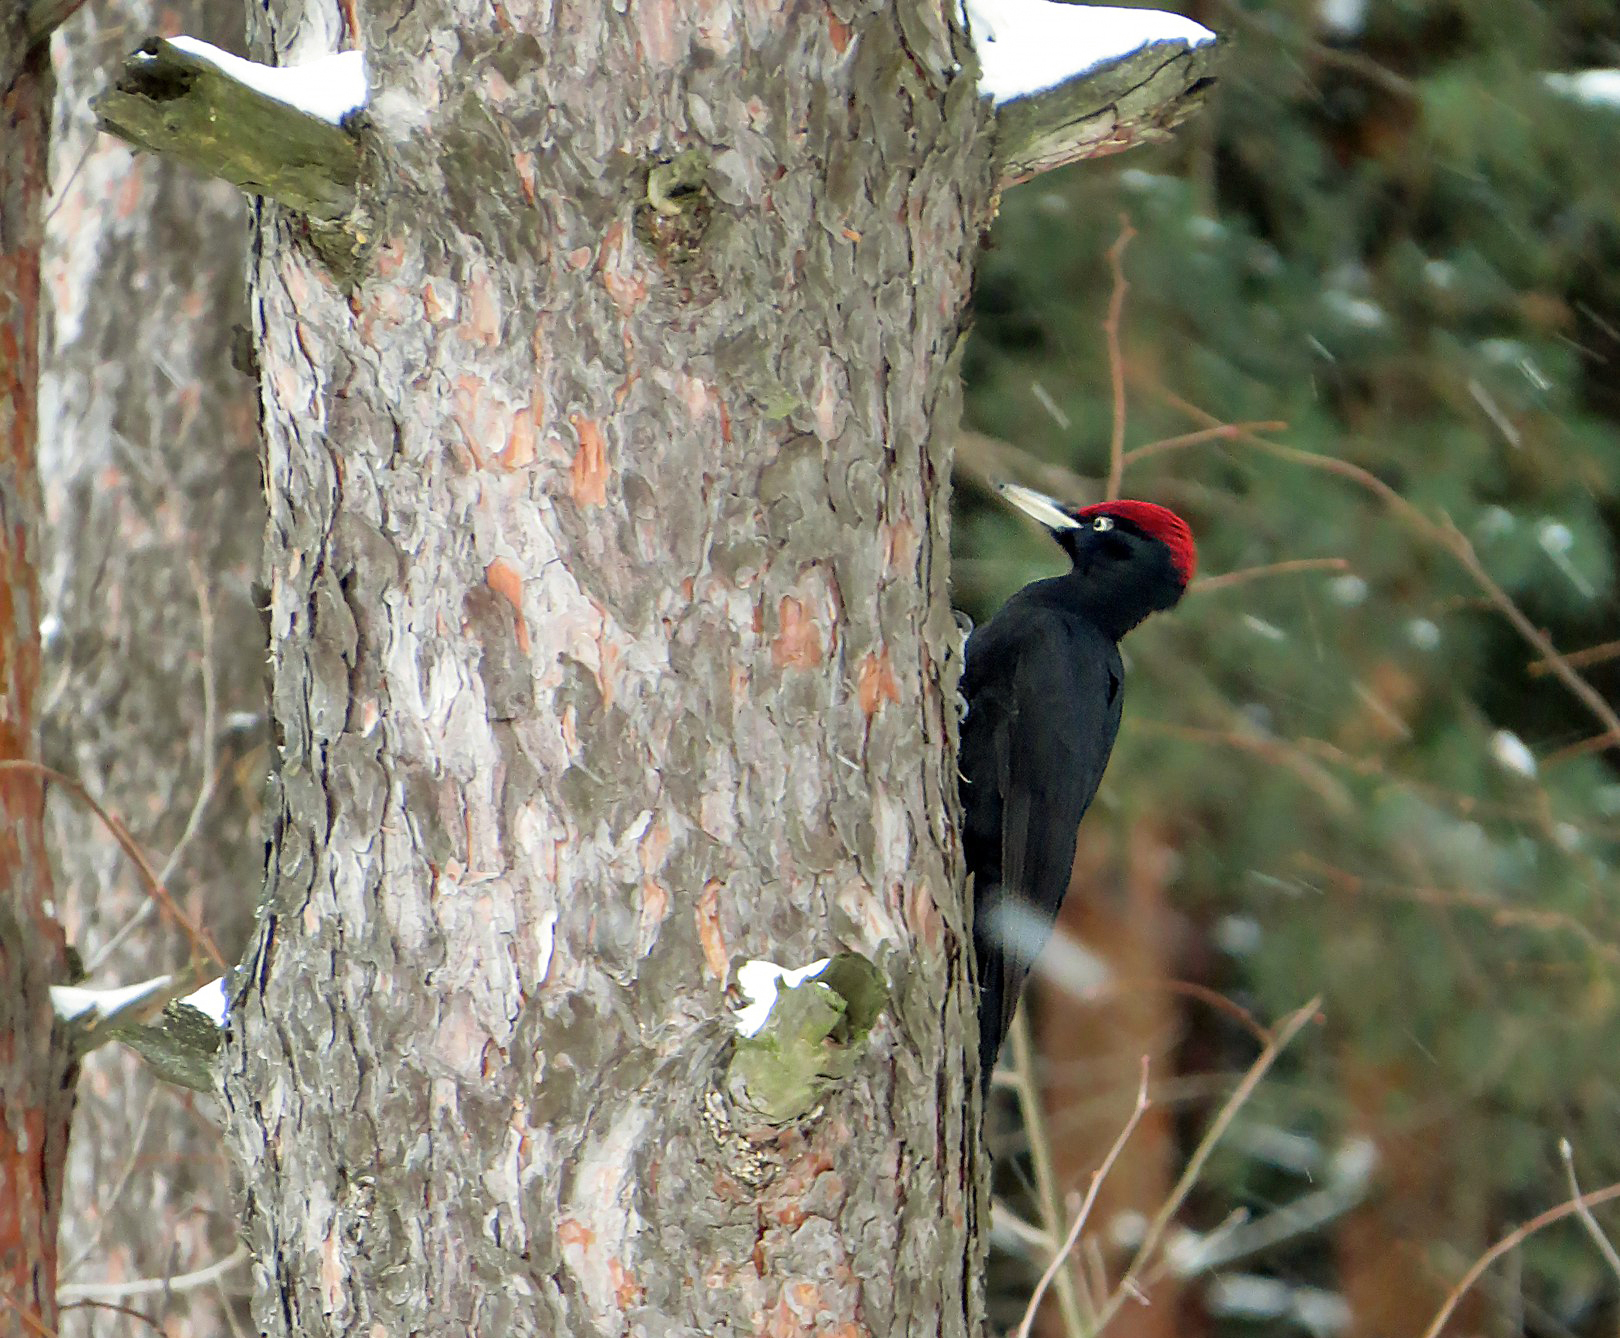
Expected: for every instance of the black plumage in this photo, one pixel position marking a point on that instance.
(1043, 685)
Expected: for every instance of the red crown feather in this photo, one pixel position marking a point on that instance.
(1157, 522)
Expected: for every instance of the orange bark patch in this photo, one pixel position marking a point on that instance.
(654, 904)
(390, 256)
(483, 324)
(129, 195)
(923, 917)
(590, 470)
(654, 848)
(840, 33)
(503, 578)
(715, 956)
(875, 683)
(608, 656)
(626, 288)
(798, 644)
(476, 416)
(522, 442)
(496, 87)
(626, 1290)
(433, 306)
(900, 545)
(571, 1232)
(524, 162)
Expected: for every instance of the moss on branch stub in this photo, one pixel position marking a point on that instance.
(813, 1037)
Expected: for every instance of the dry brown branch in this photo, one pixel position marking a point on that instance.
(1512, 1241)
(1116, 358)
(1222, 432)
(1344, 58)
(1580, 748)
(202, 943)
(1558, 664)
(1500, 912)
(1084, 1213)
(1442, 534)
(1579, 659)
(1279, 752)
(32, 1320)
(989, 460)
(1190, 989)
(1244, 575)
(1303, 754)
(1291, 1026)
(118, 1310)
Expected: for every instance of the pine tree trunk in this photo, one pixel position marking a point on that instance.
(607, 555)
(37, 1073)
(154, 662)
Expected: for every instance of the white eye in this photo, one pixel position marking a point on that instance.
(1102, 524)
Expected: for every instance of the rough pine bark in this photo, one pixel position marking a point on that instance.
(37, 1072)
(156, 689)
(607, 565)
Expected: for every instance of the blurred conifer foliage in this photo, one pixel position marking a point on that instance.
(1393, 233)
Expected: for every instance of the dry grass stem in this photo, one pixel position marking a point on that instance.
(1604, 1245)
(1512, 1241)
(1084, 1213)
(1040, 1156)
(1291, 1026)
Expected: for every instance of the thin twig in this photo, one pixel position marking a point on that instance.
(1245, 574)
(1116, 359)
(211, 770)
(202, 942)
(210, 724)
(1003, 1218)
(1605, 650)
(1080, 1218)
(119, 1310)
(1040, 1156)
(1597, 743)
(1191, 989)
(180, 1282)
(1501, 913)
(1558, 664)
(29, 1318)
(1512, 1241)
(1221, 432)
(1444, 535)
(105, 1208)
(1605, 1246)
(1290, 1028)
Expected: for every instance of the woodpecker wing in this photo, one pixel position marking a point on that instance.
(1043, 693)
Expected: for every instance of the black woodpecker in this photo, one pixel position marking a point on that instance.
(1042, 682)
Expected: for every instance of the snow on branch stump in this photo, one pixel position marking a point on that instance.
(173, 1026)
(268, 131)
(1074, 81)
(801, 1034)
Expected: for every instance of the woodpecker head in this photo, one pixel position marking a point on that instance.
(1133, 558)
